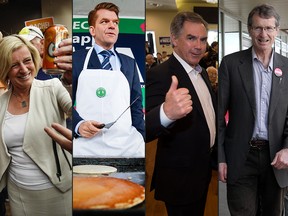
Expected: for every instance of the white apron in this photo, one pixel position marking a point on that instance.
(102, 96)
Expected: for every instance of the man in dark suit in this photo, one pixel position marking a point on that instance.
(180, 107)
(253, 145)
(121, 87)
(150, 62)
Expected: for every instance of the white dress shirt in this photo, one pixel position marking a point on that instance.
(204, 97)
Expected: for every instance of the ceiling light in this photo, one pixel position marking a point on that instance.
(212, 1)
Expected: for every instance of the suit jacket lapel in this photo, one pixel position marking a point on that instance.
(246, 73)
(277, 84)
(123, 68)
(205, 77)
(94, 61)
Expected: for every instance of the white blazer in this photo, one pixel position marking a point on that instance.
(49, 101)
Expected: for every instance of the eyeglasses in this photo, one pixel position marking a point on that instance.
(268, 29)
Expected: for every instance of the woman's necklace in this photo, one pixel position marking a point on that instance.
(22, 101)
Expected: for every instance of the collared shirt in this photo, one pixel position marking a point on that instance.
(114, 60)
(262, 83)
(203, 94)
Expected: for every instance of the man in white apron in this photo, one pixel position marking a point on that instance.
(104, 85)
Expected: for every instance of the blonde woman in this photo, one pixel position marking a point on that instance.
(36, 170)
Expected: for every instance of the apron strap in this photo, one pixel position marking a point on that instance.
(85, 65)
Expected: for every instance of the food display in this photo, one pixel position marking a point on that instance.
(94, 169)
(104, 192)
(53, 36)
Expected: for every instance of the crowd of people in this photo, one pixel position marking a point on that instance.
(247, 140)
(186, 111)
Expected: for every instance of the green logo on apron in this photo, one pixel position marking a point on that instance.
(101, 92)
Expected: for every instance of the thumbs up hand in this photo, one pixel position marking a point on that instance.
(178, 102)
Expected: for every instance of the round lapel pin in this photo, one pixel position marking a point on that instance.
(278, 72)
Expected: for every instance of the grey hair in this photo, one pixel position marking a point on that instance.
(265, 11)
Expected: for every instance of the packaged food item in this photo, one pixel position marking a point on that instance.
(53, 35)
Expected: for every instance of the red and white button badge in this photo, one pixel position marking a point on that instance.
(278, 72)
